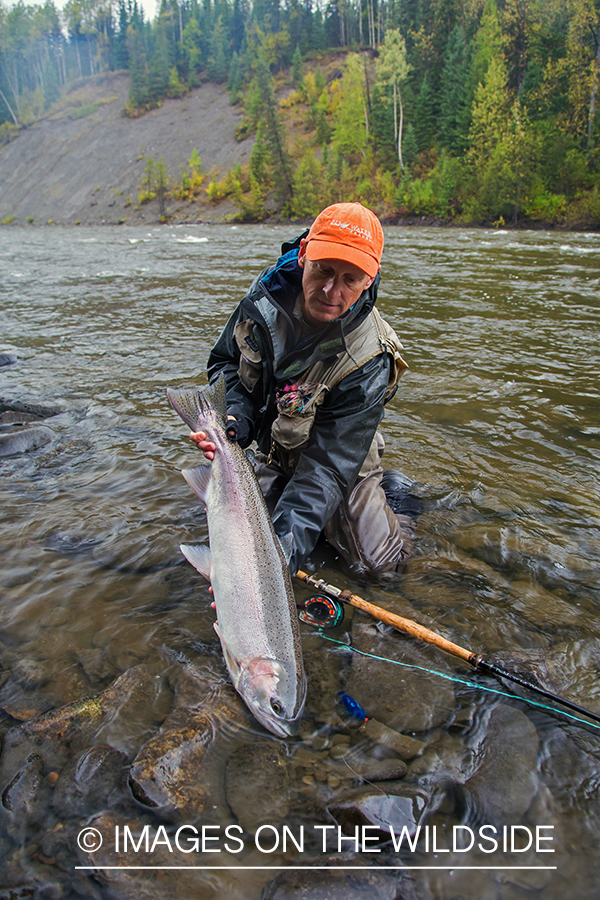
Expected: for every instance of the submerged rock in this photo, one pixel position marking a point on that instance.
(179, 773)
(90, 783)
(24, 440)
(12, 417)
(257, 784)
(166, 773)
(543, 608)
(406, 747)
(391, 807)
(401, 697)
(25, 797)
(529, 547)
(154, 846)
(7, 359)
(334, 885)
(569, 669)
(58, 733)
(30, 673)
(23, 705)
(364, 768)
(506, 780)
(32, 408)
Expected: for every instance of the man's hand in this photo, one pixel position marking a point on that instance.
(208, 447)
(202, 442)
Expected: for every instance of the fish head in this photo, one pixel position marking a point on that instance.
(274, 694)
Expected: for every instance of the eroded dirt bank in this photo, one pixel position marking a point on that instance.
(75, 167)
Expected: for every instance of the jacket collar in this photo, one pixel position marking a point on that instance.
(271, 300)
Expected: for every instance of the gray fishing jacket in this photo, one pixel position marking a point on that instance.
(259, 355)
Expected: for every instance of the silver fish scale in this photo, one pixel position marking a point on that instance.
(254, 598)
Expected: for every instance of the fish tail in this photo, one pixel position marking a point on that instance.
(193, 405)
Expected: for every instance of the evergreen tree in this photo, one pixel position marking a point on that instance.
(192, 54)
(219, 60)
(259, 158)
(51, 84)
(309, 187)
(297, 72)
(318, 39)
(235, 79)
(120, 42)
(159, 64)
(454, 107)
(274, 131)
(238, 25)
(138, 67)
(426, 115)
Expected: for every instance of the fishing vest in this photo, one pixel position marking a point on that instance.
(296, 409)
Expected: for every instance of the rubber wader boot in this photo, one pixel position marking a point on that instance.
(397, 490)
(406, 507)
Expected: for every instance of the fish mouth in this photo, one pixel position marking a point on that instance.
(260, 687)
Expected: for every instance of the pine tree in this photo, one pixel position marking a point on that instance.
(454, 107)
(235, 79)
(191, 48)
(259, 156)
(309, 187)
(274, 131)
(138, 67)
(218, 61)
(120, 51)
(297, 70)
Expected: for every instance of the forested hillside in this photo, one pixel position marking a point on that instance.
(465, 110)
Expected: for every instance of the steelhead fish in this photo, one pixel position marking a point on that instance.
(248, 569)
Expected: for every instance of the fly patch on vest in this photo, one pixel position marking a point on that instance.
(298, 402)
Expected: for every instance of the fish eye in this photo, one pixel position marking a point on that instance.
(277, 707)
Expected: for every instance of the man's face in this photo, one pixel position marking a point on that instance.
(330, 287)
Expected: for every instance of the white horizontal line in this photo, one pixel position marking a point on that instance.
(326, 868)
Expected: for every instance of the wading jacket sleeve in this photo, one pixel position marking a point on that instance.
(259, 342)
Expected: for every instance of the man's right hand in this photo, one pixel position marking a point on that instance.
(207, 447)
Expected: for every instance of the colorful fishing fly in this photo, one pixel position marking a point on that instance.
(352, 707)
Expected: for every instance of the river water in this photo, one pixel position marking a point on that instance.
(497, 420)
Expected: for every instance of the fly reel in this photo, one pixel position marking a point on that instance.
(322, 612)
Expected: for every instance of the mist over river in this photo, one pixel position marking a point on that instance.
(497, 421)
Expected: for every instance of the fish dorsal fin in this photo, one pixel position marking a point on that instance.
(186, 404)
(199, 557)
(287, 545)
(232, 663)
(198, 479)
(251, 457)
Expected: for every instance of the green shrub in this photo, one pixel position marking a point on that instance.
(544, 206)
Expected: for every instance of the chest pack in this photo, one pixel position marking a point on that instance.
(298, 406)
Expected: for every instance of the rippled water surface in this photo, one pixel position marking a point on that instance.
(497, 420)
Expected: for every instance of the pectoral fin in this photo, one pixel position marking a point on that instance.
(287, 545)
(230, 660)
(199, 479)
(199, 557)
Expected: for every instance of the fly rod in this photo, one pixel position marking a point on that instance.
(408, 626)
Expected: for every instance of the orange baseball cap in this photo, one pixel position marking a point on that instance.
(347, 231)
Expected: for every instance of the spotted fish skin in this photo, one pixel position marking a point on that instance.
(248, 569)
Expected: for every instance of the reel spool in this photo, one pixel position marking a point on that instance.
(322, 612)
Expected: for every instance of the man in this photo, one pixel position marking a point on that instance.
(308, 364)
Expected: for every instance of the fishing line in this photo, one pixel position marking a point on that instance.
(456, 679)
